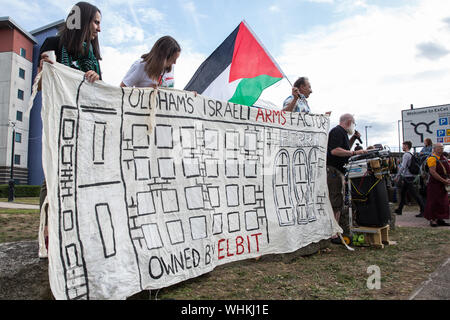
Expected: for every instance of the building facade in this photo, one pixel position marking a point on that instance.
(16, 66)
(35, 172)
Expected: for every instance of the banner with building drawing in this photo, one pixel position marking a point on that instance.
(148, 188)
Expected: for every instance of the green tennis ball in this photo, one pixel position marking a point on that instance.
(361, 238)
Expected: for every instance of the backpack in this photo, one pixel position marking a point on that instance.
(414, 165)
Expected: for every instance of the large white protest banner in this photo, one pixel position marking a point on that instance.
(148, 188)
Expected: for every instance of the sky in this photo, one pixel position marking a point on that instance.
(365, 57)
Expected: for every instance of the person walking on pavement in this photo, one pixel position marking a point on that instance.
(407, 181)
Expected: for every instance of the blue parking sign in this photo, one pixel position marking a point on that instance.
(440, 133)
(443, 121)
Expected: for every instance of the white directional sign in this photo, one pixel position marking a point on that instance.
(430, 122)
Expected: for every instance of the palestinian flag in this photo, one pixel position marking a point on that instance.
(237, 71)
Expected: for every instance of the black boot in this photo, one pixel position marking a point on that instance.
(442, 223)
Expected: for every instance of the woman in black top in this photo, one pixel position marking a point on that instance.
(76, 45)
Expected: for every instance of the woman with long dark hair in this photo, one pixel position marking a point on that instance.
(156, 67)
(76, 45)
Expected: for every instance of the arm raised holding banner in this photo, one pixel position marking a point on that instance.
(154, 69)
(77, 48)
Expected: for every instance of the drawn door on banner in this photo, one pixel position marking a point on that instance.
(295, 174)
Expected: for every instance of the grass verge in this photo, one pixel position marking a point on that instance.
(338, 274)
(18, 224)
(23, 200)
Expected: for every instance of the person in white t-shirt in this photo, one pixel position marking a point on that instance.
(154, 69)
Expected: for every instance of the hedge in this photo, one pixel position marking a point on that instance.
(20, 191)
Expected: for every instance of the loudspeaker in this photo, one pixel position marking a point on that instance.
(370, 198)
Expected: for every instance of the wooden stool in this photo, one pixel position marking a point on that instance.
(376, 237)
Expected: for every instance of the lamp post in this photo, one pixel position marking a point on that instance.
(11, 179)
(398, 127)
(365, 127)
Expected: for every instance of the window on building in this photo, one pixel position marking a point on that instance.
(20, 94)
(21, 73)
(19, 115)
(23, 52)
(18, 137)
(17, 159)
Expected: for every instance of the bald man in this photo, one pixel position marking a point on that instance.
(338, 153)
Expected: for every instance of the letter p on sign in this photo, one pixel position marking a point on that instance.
(374, 281)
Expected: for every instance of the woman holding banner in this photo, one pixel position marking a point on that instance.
(156, 67)
(75, 46)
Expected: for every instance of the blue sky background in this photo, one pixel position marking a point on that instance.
(367, 57)
(205, 22)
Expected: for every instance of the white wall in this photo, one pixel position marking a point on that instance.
(10, 82)
(5, 92)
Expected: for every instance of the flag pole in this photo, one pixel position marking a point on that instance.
(267, 51)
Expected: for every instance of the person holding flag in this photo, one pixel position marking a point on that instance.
(297, 101)
(300, 92)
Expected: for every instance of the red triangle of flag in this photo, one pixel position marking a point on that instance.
(249, 58)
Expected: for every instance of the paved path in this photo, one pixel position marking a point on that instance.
(409, 219)
(13, 205)
(437, 287)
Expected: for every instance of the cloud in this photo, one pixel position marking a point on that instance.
(431, 50)
(28, 12)
(447, 21)
(120, 31)
(274, 8)
(187, 64)
(116, 63)
(321, 1)
(123, 33)
(432, 74)
(351, 5)
(367, 64)
(152, 14)
(195, 16)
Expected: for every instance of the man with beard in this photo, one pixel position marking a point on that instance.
(338, 153)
